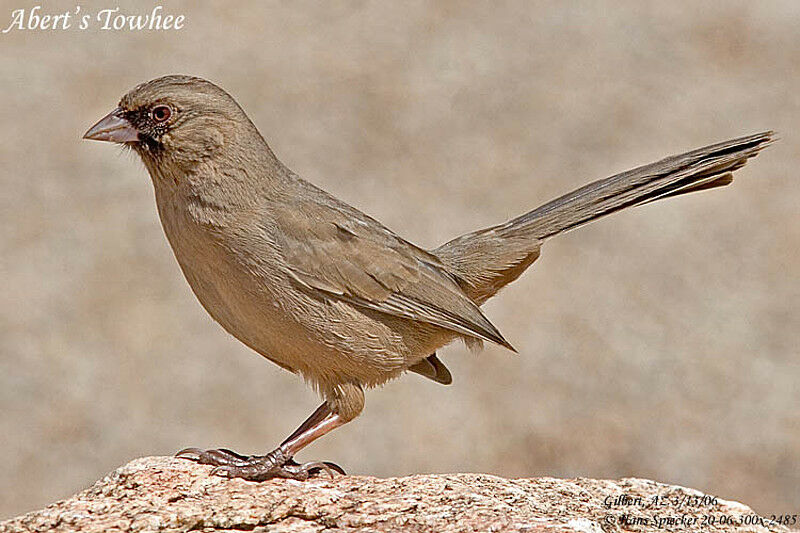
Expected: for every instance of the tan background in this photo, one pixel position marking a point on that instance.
(660, 343)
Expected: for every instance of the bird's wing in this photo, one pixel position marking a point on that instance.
(334, 248)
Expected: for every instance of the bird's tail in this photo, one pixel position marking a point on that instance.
(704, 168)
(493, 257)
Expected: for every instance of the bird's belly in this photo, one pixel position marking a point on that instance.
(328, 341)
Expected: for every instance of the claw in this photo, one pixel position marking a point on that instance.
(221, 471)
(336, 468)
(319, 467)
(193, 454)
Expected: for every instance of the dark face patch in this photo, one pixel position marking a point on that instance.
(150, 130)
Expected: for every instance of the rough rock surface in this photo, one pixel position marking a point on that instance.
(165, 494)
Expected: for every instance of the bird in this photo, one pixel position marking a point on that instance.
(324, 290)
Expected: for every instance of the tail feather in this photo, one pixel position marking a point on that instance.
(719, 181)
(689, 172)
(488, 259)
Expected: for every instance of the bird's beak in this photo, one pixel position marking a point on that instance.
(113, 128)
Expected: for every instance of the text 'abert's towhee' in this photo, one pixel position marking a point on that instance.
(322, 289)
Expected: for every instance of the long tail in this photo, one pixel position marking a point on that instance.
(699, 169)
(490, 258)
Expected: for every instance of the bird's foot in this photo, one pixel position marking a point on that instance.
(258, 467)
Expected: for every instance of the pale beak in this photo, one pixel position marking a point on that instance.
(113, 128)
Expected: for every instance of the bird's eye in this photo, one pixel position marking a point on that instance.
(161, 113)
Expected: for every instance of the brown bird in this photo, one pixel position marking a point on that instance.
(322, 289)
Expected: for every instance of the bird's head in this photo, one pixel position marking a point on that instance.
(174, 122)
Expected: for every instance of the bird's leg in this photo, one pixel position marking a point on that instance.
(336, 411)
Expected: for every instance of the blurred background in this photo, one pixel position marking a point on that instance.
(659, 343)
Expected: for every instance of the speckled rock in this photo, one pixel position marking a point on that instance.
(169, 495)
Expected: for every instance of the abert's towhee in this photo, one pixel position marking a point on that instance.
(322, 289)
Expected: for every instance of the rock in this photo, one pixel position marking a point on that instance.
(167, 494)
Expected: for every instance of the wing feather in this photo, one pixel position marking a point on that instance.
(336, 249)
